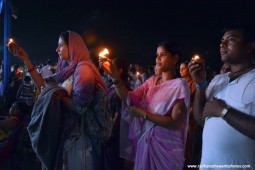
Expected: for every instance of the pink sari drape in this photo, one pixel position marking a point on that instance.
(151, 146)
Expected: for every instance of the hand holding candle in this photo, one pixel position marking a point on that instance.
(197, 69)
(11, 45)
(138, 75)
(105, 62)
(16, 50)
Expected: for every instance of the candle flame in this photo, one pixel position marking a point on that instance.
(11, 40)
(196, 57)
(103, 53)
(137, 73)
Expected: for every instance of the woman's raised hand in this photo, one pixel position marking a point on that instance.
(110, 68)
(16, 50)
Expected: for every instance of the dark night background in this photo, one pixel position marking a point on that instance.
(130, 29)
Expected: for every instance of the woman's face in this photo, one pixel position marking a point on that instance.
(62, 50)
(184, 70)
(165, 61)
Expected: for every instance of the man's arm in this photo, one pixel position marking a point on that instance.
(242, 122)
(198, 73)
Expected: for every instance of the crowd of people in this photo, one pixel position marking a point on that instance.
(124, 116)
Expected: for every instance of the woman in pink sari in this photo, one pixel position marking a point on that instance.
(157, 115)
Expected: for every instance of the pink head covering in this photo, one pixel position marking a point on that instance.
(79, 55)
(78, 52)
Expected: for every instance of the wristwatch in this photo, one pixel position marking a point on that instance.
(225, 111)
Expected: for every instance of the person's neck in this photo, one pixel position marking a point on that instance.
(241, 67)
(238, 70)
(187, 78)
(167, 76)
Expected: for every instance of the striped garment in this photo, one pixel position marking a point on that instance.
(26, 94)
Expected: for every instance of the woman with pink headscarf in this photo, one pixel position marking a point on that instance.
(79, 77)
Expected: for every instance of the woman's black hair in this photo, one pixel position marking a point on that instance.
(120, 63)
(185, 62)
(173, 48)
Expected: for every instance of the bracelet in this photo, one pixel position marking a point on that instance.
(31, 69)
(202, 85)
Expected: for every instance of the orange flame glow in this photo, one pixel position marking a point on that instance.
(103, 53)
(196, 57)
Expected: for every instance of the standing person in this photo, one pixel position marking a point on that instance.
(79, 77)
(193, 136)
(15, 80)
(226, 107)
(184, 72)
(26, 92)
(111, 148)
(157, 115)
(140, 74)
(132, 78)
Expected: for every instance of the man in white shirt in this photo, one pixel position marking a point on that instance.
(227, 106)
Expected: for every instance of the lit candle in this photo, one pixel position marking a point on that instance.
(137, 73)
(197, 59)
(10, 41)
(103, 53)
